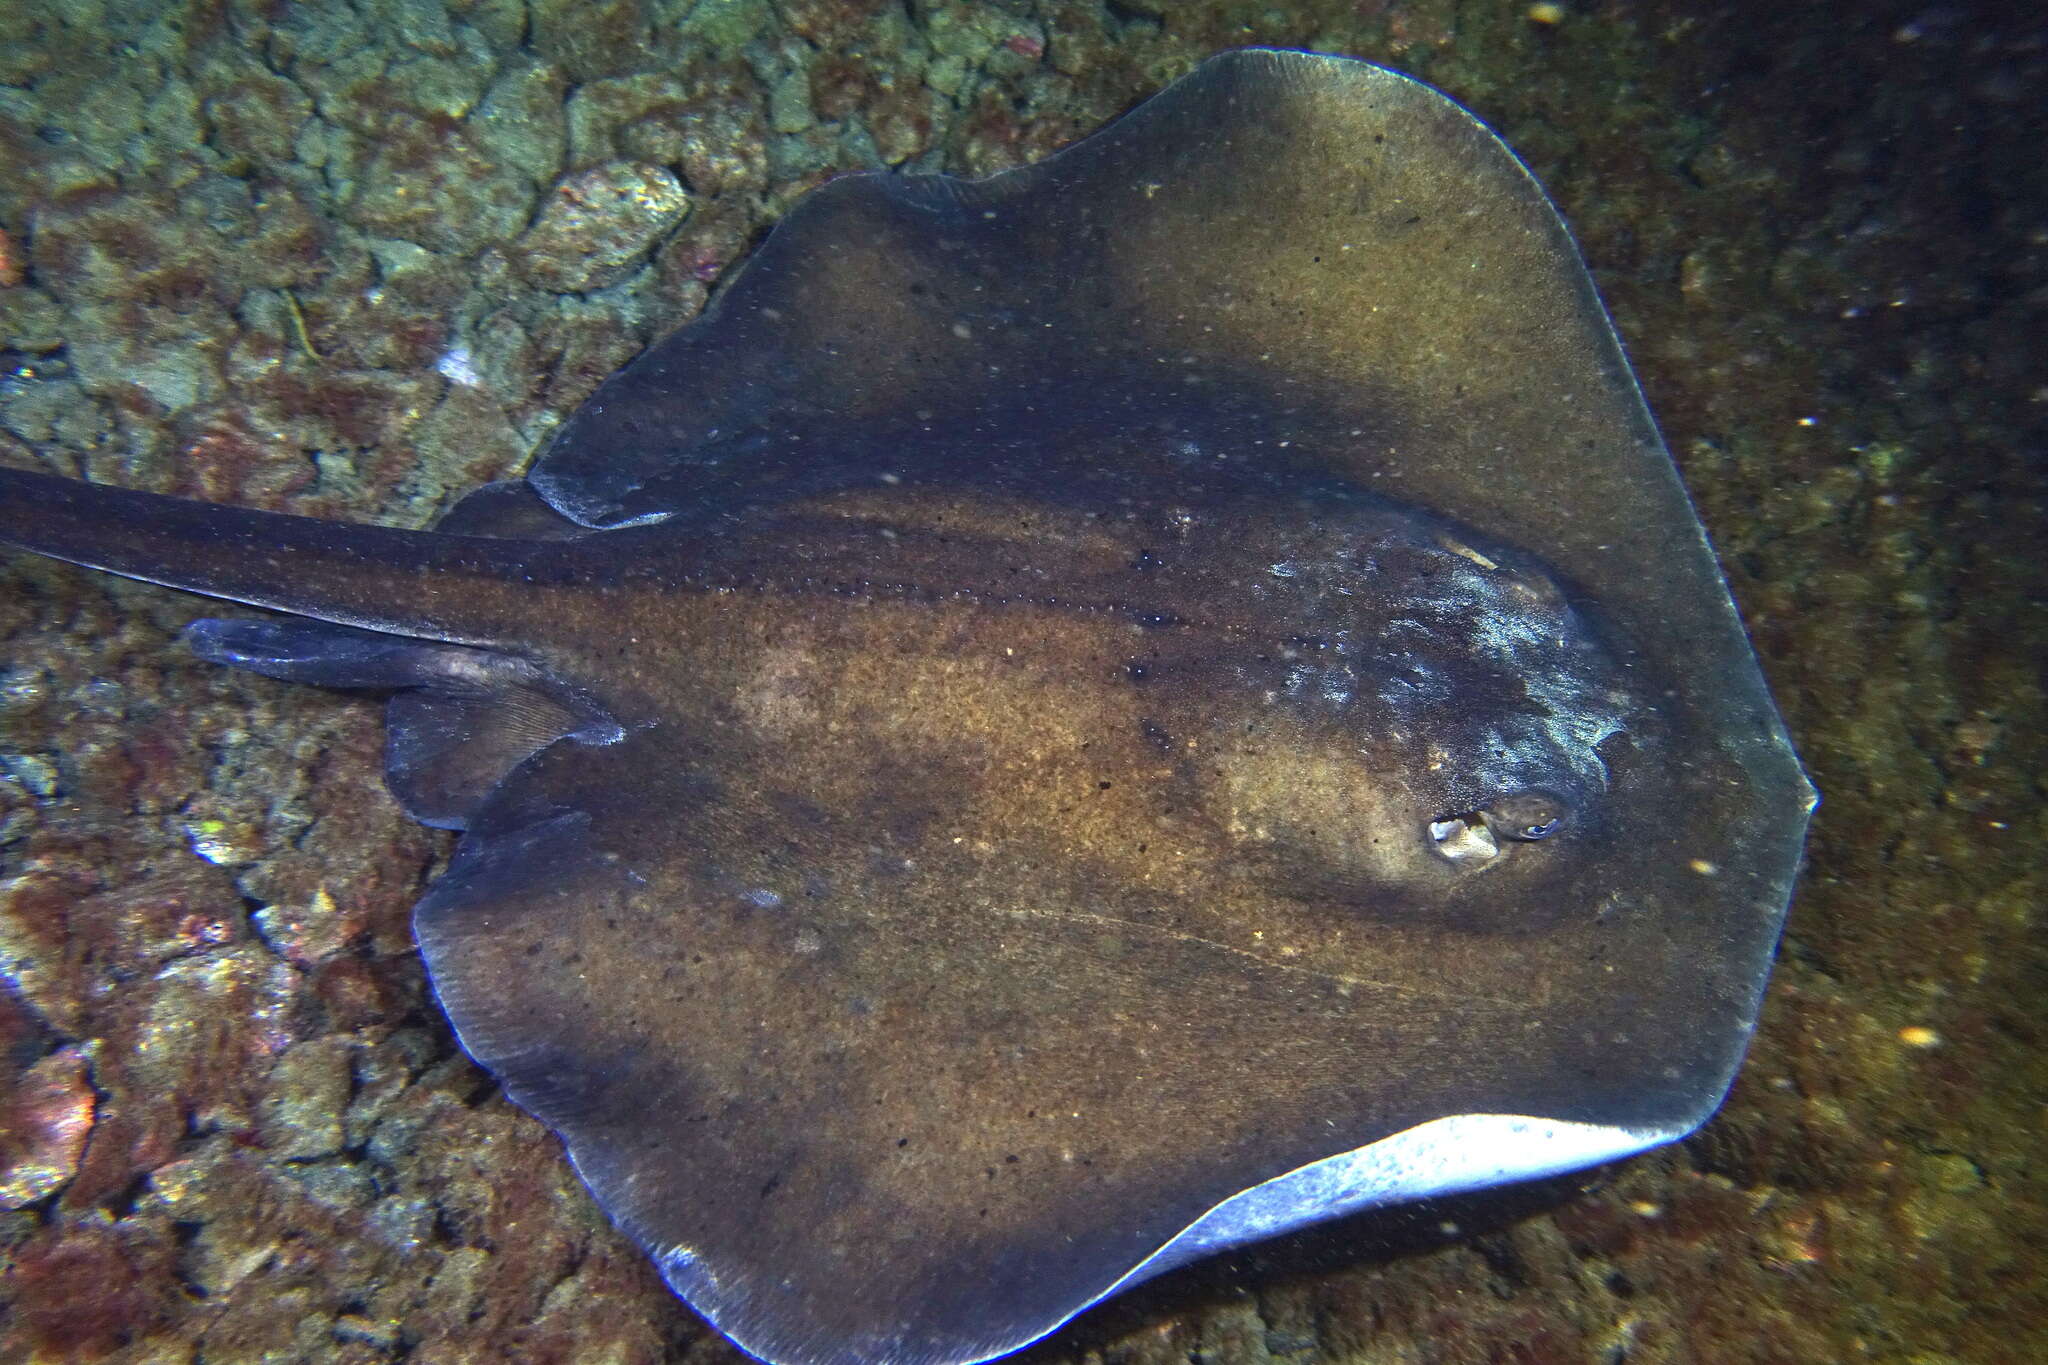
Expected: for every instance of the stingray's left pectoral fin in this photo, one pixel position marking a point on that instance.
(461, 718)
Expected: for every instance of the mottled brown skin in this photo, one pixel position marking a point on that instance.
(946, 759)
(1034, 920)
(1055, 872)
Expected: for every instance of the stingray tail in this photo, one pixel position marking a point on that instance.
(424, 584)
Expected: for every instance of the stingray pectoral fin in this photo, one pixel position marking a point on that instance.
(430, 585)
(461, 720)
(508, 509)
(313, 652)
(876, 1085)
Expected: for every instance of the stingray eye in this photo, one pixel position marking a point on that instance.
(1482, 834)
(1525, 816)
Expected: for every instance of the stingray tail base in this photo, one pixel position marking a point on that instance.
(423, 584)
(461, 719)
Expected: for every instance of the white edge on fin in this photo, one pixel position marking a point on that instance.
(1446, 1156)
(1453, 1155)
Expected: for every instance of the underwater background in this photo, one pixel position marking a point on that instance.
(352, 260)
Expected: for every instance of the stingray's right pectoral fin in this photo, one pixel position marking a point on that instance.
(461, 718)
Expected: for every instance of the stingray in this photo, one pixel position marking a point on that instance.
(1069, 721)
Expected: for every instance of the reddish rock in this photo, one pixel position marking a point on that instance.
(13, 263)
(46, 1113)
(597, 225)
(81, 1293)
